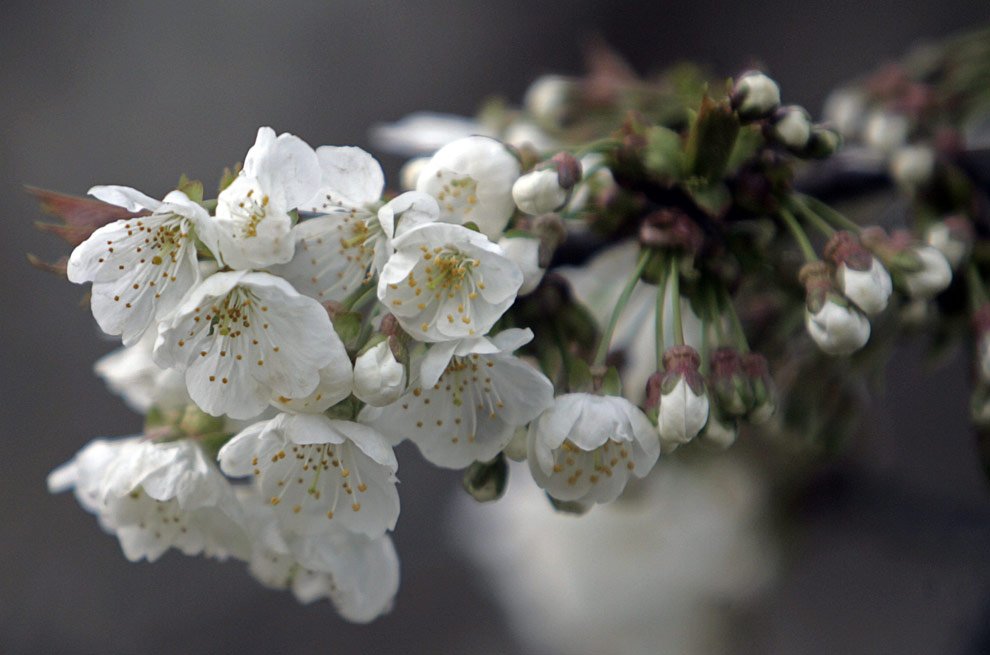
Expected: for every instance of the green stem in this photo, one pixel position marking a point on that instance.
(598, 145)
(828, 213)
(619, 306)
(359, 297)
(675, 284)
(799, 235)
(820, 223)
(742, 344)
(661, 303)
(716, 313)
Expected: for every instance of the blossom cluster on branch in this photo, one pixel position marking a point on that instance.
(612, 272)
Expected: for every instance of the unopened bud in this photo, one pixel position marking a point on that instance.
(549, 97)
(764, 391)
(885, 131)
(525, 252)
(379, 377)
(931, 276)
(729, 383)
(791, 127)
(755, 96)
(719, 433)
(539, 192)
(671, 229)
(859, 275)
(486, 481)
(913, 167)
(677, 396)
(824, 143)
(953, 237)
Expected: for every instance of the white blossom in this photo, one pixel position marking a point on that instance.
(792, 127)
(242, 337)
(379, 378)
(682, 413)
(869, 290)
(585, 447)
(548, 96)
(468, 400)
(949, 238)
(838, 329)
(447, 282)
(933, 276)
(338, 252)
(472, 178)
(845, 110)
(884, 131)
(525, 252)
(319, 474)
(424, 132)
(912, 167)
(140, 267)
(156, 496)
(252, 222)
(132, 373)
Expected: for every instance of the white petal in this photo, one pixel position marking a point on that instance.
(130, 199)
(350, 174)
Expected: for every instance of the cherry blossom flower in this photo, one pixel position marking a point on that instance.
(447, 282)
(242, 337)
(140, 267)
(379, 378)
(252, 222)
(156, 496)
(585, 447)
(320, 474)
(472, 179)
(470, 398)
(132, 373)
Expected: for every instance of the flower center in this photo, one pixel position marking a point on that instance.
(251, 210)
(298, 479)
(458, 193)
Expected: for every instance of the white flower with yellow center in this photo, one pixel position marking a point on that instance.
(319, 474)
(472, 179)
(357, 574)
(242, 338)
(131, 373)
(140, 267)
(337, 252)
(585, 447)
(469, 400)
(156, 496)
(446, 282)
(252, 222)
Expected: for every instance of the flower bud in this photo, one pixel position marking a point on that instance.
(730, 385)
(824, 143)
(718, 433)
(379, 378)
(791, 127)
(764, 391)
(409, 173)
(885, 131)
(931, 276)
(860, 276)
(953, 237)
(486, 481)
(837, 327)
(755, 96)
(671, 228)
(677, 397)
(548, 98)
(913, 167)
(844, 108)
(547, 188)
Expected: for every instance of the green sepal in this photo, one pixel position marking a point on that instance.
(471, 225)
(748, 143)
(192, 188)
(663, 156)
(713, 198)
(612, 383)
(579, 378)
(486, 481)
(569, 506)
(346, 410)
(347, 325)
(711, 139)
(228, 176)
(195, 422)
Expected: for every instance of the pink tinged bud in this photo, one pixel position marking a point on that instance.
(764, 391)
(683, 405)
(859, 275)
(539, 192)
(729, 383)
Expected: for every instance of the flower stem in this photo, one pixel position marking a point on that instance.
(828, 213)
(661, 303)
(359, 297)
(598, 145)
(799, 235)
(820, 223)
(675, 292)
(620, 305)
(742, 344)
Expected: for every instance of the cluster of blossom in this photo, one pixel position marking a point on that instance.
(550, 287)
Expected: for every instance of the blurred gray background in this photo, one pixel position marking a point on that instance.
(892, 552)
